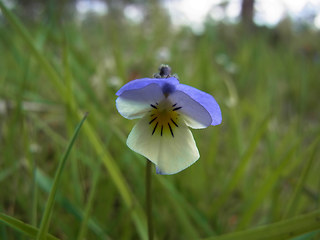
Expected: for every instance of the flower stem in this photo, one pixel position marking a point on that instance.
(149, 200)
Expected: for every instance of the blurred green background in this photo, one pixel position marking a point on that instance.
(260, 166)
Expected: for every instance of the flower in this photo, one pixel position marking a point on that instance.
(167, 109)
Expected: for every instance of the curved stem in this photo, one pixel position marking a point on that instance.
(149, 199)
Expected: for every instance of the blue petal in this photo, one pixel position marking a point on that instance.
(194, 114)
(204, 99)
(167, 84)
(158, 171)
(135, 103)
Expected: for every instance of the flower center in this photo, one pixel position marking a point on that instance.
(164, 118)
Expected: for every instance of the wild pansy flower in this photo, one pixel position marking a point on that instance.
(167, 109)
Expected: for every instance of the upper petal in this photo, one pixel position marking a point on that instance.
(171, 152)
(205, 99)
(135, 103)
(143, 82)
(194, 114)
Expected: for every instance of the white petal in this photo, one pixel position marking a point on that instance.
(171, 152)
(195, 115)
(135, 103)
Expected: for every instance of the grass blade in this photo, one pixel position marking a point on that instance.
(296, 196)
(181, 203)
(35, 52)
(49, 206)
(22, 227)
(45, 183)
(239, 172)
(136, 211)
(84, 223)
(277, 231)
(7, 172)
(265, 189)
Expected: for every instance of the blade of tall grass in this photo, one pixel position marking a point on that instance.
(32, 167)
(189, 229)
(264, 190)
(135, 209)
(180, 202)
(278, 231)
(35, 52)
(45, 183)
(45, 222)
(34, 195)
(70, 118)
(239, 172)
(88, 207)
(9, 171)
(280, 149)
(3, 233)
(309, 236)
(23, 227)
(58, 139)
(292, 206)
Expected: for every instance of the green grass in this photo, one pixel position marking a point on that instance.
(258, 168)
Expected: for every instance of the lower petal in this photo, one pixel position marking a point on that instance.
(171, 151)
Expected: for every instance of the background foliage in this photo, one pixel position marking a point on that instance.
(258, 167)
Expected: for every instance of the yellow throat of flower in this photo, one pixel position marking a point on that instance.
(164, 118)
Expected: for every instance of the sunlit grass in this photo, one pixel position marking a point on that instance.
(259, 167)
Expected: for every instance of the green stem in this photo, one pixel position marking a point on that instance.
(149, 199)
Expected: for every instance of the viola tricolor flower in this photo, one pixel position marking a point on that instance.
(167, 109)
